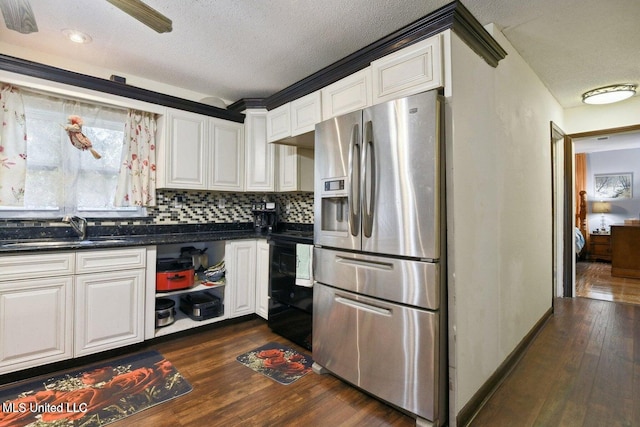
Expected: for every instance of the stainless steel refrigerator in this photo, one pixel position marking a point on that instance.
(379, 318)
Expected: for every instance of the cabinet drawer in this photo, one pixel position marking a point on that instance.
(110, 260)
(14, 267)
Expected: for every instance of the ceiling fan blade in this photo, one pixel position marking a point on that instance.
(145, 14)
(18, 16)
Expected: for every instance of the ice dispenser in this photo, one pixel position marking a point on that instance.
(335, 206)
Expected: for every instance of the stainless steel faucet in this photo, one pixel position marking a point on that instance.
(78, 224)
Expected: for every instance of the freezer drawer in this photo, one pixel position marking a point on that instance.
(391, 351)
(404, 281)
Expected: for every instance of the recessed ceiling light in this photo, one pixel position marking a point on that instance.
(77, 36)
(609, 94)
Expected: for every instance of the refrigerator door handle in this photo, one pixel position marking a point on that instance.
(353, 198)
(362, 306)
(368, 179)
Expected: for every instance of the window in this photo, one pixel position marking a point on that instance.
(62, 179)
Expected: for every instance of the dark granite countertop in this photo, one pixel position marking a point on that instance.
(112, 237)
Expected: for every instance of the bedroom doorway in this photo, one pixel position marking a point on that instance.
(598, 153)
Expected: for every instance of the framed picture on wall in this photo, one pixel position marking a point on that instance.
(613, 186)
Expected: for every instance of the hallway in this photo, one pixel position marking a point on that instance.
(583, 369)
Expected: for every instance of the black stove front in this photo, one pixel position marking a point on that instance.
(290, 305)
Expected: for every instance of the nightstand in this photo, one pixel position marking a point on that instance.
(599, 247)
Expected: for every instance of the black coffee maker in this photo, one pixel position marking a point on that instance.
(265, 216)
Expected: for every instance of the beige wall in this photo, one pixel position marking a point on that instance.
(499, 211)
(588, 118)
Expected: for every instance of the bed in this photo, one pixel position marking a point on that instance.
(581, 232)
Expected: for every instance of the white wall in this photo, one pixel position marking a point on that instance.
(499, 211)
(588, 118)
(91, 70)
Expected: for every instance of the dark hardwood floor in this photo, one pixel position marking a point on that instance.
(583, 369)
(226, 393)
(594, 280)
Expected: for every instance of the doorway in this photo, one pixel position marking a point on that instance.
(590, 276)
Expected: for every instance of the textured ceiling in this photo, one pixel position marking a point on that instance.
(236, 49)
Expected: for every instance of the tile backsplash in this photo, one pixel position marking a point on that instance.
(203, 207)
(193, 207)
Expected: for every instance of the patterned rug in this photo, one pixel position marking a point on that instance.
(93, 396)
(278, 362)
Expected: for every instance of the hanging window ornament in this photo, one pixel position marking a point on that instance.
(78, 139)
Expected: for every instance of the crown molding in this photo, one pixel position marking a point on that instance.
(46, 72)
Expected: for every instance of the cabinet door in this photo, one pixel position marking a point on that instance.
(295, 168)
(240, 262)
(226, 156)
(259, 154)
(262, 278)
(185, 156)
(287, 168)
(279, 123)
(36, 322)
(411, 70)
(349, 94)
(109, 310)
(305, 113)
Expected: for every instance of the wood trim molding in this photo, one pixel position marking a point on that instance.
(246, 103)
(622, 129)
(469, 411)
(452, 16)
(46, 72)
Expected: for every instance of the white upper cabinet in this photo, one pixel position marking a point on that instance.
(414, 69)
(295, 118)
(279, 123)
(305, 113)
(295, 168)
(182, 156)
(349, 94)
(226, 156)
(259, 155)
(200, 153)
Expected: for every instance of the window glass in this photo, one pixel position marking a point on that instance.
(61, 178)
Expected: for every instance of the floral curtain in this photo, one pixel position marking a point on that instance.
(13, 147)
(137, 179)
(581, 186)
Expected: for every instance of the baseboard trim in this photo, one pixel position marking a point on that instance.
(480, 398)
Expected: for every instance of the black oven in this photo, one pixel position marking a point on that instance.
(290, 306)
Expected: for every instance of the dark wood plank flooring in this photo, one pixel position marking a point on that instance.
(594, 280)
(226, 393)
(583, 369)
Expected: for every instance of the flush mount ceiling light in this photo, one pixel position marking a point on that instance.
(609, 94)
(77, 36)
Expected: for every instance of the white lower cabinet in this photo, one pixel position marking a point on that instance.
(262, 279)
(247, 263)
(240, 262)
(109, 299)
(59, 305)
(36, 322)
(109, 310)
